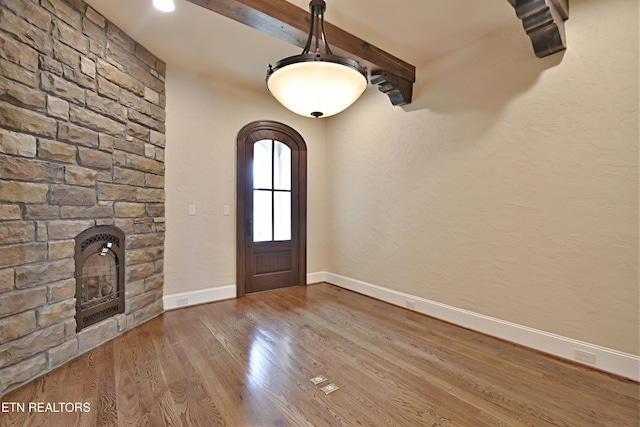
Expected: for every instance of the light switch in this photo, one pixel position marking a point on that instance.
(226, 210)
(192, 210)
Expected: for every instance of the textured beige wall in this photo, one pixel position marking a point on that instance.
(203, 120)
(509, 188)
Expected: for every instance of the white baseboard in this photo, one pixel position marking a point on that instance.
(608, 360)
(202, 296)
(316, 277)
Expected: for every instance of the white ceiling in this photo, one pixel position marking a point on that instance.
(192, 37)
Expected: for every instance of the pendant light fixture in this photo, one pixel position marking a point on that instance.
(318, 84)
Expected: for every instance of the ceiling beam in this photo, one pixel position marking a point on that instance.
(289, 23)
(543, 20)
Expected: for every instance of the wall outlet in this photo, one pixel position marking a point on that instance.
(585, 356)
(182, 301)
(410, 304)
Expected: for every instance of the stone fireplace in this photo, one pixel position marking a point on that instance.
(99, 273)
(82, 124)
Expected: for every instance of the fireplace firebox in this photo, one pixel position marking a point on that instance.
(100, 260)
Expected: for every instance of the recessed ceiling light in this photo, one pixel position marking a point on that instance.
(164, 5)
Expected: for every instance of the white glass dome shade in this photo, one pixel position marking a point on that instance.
(316, 85)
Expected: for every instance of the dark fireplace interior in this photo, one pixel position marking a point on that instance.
(99, 275)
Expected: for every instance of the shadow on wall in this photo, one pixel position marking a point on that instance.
(485, 75)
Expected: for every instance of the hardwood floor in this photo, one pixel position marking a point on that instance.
(248, 362)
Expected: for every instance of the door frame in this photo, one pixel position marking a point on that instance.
(267, 129)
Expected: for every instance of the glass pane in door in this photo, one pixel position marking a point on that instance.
(271, 191)
(262, 216)
(262, 164)
(282, 215)
(281, 166)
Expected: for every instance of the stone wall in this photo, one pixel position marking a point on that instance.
(82, 112)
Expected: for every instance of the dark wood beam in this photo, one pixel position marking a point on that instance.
(289, 23)
(543, 20)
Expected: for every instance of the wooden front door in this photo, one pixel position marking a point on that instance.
(271, 207)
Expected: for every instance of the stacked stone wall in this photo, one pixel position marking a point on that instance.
(82, 140)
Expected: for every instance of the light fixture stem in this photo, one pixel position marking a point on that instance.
(310, 38)
(324, 36)
(318, 33)
(316, 30)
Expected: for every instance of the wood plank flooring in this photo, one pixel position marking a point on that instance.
(248, 362)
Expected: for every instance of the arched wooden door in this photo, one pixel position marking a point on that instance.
(271, 207)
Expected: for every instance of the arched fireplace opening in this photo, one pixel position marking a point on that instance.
(100, 259)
